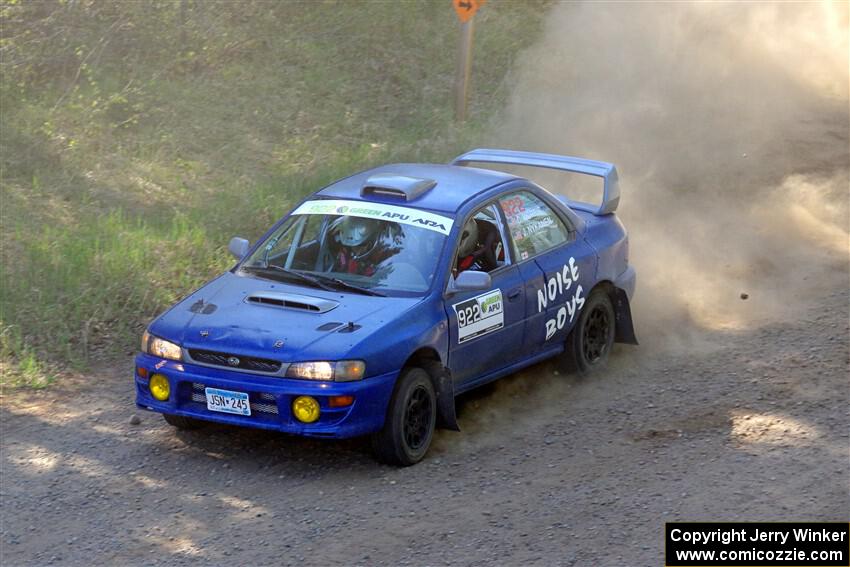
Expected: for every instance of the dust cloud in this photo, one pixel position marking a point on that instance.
(729, 127)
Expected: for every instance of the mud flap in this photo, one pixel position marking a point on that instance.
(625, 331)
(446, 418)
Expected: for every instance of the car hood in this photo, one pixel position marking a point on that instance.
(268, 319)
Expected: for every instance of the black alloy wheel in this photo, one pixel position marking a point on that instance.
(418, 418)
(410, 420)
(596, 333)
(590, 341)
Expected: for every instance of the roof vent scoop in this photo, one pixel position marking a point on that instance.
(292, 301)
(396, 186)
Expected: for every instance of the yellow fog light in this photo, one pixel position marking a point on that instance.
(305, 409)
(159, 387)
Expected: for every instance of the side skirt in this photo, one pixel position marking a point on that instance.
(510, 369)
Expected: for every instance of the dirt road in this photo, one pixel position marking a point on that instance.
(549, 469)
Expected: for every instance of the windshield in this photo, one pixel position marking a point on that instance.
(351, 244)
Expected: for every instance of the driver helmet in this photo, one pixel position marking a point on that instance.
(356, 232)
(468, 238)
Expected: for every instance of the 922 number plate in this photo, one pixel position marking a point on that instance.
(226, 401)
(479, 315)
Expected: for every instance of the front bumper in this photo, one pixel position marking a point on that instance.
(270, 398)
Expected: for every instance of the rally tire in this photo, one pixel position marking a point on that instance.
(589, 343)
(409, 424)
(182, 422)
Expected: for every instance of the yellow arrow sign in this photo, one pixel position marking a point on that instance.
(466, 8)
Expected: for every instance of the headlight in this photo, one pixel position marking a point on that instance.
(341, 371)
(160, 347)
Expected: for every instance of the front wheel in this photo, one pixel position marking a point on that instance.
(409, 424)
(590, 341)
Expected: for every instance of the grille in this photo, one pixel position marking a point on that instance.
(261, 403)
(245, 362)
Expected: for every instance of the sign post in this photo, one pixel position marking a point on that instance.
(465, 10)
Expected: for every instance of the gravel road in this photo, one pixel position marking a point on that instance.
(733, 407)
(549, 469)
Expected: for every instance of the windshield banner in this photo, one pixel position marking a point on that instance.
(403, 215)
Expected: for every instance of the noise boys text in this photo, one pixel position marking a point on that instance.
(554, 290)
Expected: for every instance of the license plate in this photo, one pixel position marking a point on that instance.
(227, 402)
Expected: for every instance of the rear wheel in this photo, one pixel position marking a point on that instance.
(590, 341)
(182, 422)
(409, 424)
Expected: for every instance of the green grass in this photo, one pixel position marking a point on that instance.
(125, 171)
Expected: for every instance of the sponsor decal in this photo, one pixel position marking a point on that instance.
(403, 215)
(479, 315)
(533, 226)
(513, 206)
(554, 291)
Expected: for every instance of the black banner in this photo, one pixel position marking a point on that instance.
(761, 544)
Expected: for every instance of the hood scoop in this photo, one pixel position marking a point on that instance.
(397, 186)
(293, 301)
(339, 327)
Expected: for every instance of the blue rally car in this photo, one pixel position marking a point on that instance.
(383, 296)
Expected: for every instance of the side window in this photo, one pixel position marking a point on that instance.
(534, 227)
(482, 242)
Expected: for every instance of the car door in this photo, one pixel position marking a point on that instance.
(486, 326)
(563, 269)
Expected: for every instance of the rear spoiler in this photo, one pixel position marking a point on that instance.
(607, 171)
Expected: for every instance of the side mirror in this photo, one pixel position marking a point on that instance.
(238, 247)
(471, 280)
